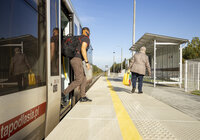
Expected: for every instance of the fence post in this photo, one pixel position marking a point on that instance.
(186, 68)
(180, 64)
(193, 80)
(198, 76)
(154, 73)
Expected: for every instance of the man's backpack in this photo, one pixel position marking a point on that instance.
(70, 46)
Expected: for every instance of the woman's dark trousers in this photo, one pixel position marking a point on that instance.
(136, 76)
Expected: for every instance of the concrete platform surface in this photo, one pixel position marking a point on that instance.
(115, 114)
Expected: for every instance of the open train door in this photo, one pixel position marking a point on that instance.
(53, 65)
(66, 70)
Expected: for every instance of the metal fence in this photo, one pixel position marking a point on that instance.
(191, 75)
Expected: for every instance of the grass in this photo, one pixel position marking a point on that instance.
(96, 73)
(196, 92)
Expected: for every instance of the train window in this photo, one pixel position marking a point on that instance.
(64, 24)
(22, 45)
(75, 29)
(80, 30)
(54, 27)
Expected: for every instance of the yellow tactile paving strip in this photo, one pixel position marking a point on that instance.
(128, 129)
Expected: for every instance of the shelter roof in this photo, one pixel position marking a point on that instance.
(148, 40)
(17, 40)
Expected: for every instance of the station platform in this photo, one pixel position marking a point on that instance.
(116, 114)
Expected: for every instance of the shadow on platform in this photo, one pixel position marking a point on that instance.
(119, 89)
(115, 79)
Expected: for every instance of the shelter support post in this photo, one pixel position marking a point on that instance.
(181, 67)
(154, 69)
(186, 69)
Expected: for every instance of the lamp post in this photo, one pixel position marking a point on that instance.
(121, 60)
(113, 61)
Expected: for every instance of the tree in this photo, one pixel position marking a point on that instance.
(116, 67)
(192, 51)
(96, 70)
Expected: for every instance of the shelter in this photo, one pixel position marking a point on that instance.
(165, 56)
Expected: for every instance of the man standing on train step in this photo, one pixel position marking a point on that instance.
(77, 65)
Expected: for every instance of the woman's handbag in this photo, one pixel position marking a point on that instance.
(31, 79)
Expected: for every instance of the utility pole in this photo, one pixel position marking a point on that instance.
(134, 9)
(134, 21)
(121, 60)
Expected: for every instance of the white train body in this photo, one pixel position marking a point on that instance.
(31, 111)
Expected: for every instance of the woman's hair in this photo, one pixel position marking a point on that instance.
(143, 49)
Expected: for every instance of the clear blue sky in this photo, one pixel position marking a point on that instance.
(110, 22)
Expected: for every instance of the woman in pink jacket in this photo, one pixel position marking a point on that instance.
(139, 63)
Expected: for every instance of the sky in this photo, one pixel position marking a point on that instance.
(111, 24)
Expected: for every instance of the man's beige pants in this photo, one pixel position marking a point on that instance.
(80, 78)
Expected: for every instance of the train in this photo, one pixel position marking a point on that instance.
(30, 92)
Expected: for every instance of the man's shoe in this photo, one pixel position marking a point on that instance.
(140, 92)
(85, 99)
(89, 100)
(82, 99)
(133, 90)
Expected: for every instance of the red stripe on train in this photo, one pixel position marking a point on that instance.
(9, 128)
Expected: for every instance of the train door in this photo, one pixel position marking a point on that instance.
(66, 24)
(53, 65)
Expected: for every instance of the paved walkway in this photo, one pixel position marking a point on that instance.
(115, 113)
(173, 96)
(177, 98)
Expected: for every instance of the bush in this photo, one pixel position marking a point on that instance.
(96, 70)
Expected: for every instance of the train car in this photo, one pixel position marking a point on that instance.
(32, 71)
